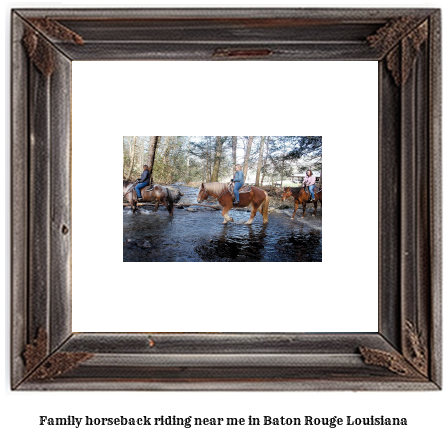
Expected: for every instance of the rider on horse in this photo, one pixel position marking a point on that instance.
(143, 181)
(309, 181)
(238, 180)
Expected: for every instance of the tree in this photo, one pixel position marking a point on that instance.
(261, 152)
(264, 165)
(307, 149)
(209, 156)
(234, 147)
(218, 154)
(132, 158)
(279, 148)
(187, 160)
(206, 158)
(217, 158)
(153, 142)
(247, 155)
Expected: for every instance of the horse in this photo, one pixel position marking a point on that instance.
(159, 195)
(258, 198)
(301, 197)
(130, 194)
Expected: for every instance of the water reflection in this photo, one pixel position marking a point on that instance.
(201, 236)
(236, 243)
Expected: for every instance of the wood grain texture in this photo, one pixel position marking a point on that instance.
(38, 195)
(390, 176)
(435, 194)
(409, 210)
(60, 201)
(19, 210)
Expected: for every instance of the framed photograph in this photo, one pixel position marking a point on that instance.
(245, 179)
(50, 353)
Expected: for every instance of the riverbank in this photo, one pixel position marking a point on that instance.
(185, 194)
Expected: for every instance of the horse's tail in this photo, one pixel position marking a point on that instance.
(170, 201)
(265, 208)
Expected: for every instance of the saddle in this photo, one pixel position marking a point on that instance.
(244, 189)
(317, 189)
(150, 188)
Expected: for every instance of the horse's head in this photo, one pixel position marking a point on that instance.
(286, 193)
(126, 186)
(203, 194)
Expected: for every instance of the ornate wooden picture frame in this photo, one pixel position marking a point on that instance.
(405, 353)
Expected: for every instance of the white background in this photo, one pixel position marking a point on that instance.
(112, 99)
(20, 411)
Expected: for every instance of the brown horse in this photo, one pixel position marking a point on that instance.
(301, 197)
(159, 195)
(258, 198)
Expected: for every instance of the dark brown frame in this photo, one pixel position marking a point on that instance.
(405, 354)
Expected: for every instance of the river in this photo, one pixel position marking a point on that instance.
(200, 235)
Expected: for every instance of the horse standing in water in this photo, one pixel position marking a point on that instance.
(159, 195)
(302, 197)
(130, 194)
(258, 198)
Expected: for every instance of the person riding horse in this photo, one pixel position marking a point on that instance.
(238, 180)
(143, 181)
(309, 182)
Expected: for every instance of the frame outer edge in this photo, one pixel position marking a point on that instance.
(38, 310)
(417, 321)
(19, 210)
(435, 196)
(349, 13)
(222, 385)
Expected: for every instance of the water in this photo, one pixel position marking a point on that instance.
(201, 236)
